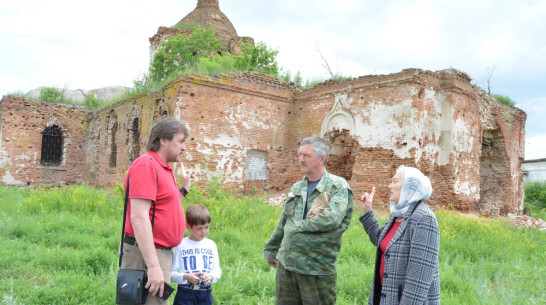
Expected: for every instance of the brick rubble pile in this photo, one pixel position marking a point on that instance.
(277, 201)
(529, 222)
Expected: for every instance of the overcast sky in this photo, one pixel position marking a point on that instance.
(93, 44)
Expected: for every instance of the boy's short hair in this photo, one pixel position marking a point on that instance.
(197, 215)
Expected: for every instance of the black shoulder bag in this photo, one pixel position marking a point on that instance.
(130, 283)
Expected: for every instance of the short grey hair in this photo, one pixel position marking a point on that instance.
(320, 147)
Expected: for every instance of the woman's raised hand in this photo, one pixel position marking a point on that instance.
(367, 200)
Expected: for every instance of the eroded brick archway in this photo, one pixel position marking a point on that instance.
(494, 174)
(343, 151)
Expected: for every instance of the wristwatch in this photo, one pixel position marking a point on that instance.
(183, 190)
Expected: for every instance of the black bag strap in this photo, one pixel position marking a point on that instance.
(125, 215)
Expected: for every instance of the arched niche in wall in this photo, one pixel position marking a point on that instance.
(161, 109)
(178, 108)
(338, 129)
(111, 131)
(339, 117)
(133, 133)
(343, 151)
(495, 177)
(54, 140)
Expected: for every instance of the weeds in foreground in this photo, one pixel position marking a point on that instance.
(60, 245)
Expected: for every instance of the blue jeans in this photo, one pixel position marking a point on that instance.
(186, 296)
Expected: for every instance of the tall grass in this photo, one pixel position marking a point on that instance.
(535, 198)
(60, 245)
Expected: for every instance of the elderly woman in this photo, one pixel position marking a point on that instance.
(406, 265)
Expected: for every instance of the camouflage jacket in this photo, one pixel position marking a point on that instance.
(311, 245)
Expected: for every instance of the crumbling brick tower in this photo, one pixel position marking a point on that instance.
(206, 12)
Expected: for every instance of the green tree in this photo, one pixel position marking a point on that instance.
(201, 52)
(535, 197)
(50, 94)
(92, 101)
(181, 52)
(258, 58)
(535, 193)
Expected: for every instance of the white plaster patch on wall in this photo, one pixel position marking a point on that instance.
(189, 156)
(430, 94)
(252, 120)
(23, 157)
(223, 140)
(225, 152)
(431, 151)
(436, 125)
(253, 123)
(436, 100)
(203, 150)
(463, 139)
(8, 179)
(388, 126)
(464, 187)
(325, 104)
(226, 165)
(461, 167)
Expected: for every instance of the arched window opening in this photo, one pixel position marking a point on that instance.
(52, 146)
(135, 141)
(114, 147)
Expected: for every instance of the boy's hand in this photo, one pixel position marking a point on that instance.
(207, 278)
(193, 278)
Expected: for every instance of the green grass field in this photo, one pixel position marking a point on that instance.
(59, 246)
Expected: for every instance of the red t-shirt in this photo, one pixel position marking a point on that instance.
(384, 244)
(169, 223)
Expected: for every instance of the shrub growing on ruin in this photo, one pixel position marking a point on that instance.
(180, 52)
(201, 53)
(92, 101)
(50, 94)
(505, 100)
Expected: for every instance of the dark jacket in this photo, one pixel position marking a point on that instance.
(411, 273)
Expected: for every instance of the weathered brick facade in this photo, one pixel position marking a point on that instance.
(245, 128)
(23, 123)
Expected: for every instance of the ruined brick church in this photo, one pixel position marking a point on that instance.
(245, 129)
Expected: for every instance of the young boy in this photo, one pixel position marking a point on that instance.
(196, 265)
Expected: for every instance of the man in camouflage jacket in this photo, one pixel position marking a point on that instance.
(307, 239)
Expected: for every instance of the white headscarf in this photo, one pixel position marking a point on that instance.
(416, 187)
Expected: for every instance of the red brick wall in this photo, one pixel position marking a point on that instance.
(227, 115)
(23, 120)
(425, 119)
(435, 121)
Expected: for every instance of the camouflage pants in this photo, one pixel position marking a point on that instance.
(303, 289)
